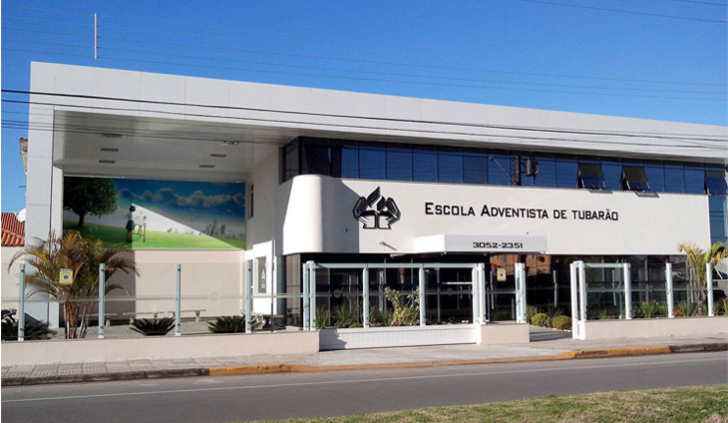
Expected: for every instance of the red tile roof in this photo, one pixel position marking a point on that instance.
(13, 231)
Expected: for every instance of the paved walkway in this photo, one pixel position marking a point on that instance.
(546, 344)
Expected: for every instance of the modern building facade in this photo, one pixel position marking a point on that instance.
(343, 177)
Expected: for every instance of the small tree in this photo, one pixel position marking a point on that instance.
(82, 255)
(697, 260)
(96, 196)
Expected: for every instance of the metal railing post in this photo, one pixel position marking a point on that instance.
(423, 298)
(483, 297)
(709, 286)
(312, 293)
(21, 304)
(574, 301)
(627, 291)
(365, 300)
(475, 294)
(670, 293)
(102, 299)
(178, 302)
(582, 300)
(248, 297)
(306, 299)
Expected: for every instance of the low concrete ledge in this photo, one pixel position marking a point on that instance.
(151, 348)
(645, 328)
(504, 333)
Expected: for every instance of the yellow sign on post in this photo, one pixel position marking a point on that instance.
(500, 274)
(66, 277)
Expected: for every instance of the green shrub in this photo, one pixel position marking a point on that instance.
(530, 312)
(660, 309)
(379, 317)
(33, 331)
(406, 308)
(344, 316)
(541, 319)
(322, 318)
(153, 327)
(562, 322)
(721, 307)
(647, 309)
(227, 324)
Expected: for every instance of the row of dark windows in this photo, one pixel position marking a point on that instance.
(403, 162)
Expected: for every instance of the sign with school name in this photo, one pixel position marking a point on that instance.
(494, 211)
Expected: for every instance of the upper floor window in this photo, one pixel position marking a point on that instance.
(634, 179)
(715, 183)
(590, 176)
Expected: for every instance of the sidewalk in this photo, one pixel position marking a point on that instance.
(546, 345)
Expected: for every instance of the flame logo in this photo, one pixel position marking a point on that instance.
(376, 211)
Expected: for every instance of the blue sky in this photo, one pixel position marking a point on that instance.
(505, 52)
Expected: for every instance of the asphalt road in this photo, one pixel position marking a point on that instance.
(279, 396)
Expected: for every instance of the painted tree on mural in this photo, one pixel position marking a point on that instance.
(84, 196)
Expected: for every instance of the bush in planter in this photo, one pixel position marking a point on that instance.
(345, 316)
(530, 312)
(322, 318)
(562, 322)
(541, 319)
(33, 330)
(227, 324)
(153, 327)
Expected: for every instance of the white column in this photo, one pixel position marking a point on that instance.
(102, 299)
(709, 286)
(312, 294)
(627, 291)
(574, 301)
(520, 275)
(582, 300)
(365, 292)
(669, 291)
(306, 298)
(178, 302)
(248, 297)
(422, 287)
(475, 294)
(21, 304)
(481, 285)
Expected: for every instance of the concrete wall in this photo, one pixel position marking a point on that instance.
(504, 333)
(169, 347)
(640, 328)
(9, 281)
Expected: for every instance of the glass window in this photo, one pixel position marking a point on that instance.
(590, 176)
(718, 218)
(424, 164)
(475, 167)
(612, 170)
(715, 183)
(547, 172)
(499, 168)
(674, 178)
(634, 179)
(350, 161)
(262, 284)
(399, 163)
(566, 170)
(315, 158)
(694, 179)
(290, 160)
(372, 162)
(655, 172)
(450, 165)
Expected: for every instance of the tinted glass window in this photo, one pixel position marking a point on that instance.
(590, 176)
(372, 162)
(566, 169)
(612, 171)
(655, 172)
(674, 178)
(718, 218)
(634, 179)
(290, 160)
(450, 165)
(475, 167)
(499, 169)
(715, 182)
(547, 172)
(694, 179)
(399, 163)
(350, 161)
(424, 164)
(315, 157)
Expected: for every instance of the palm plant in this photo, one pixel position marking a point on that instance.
(154, 327)
(697, 260)
(82, 255)
(227, 324)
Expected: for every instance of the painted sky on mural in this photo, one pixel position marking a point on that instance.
(196, 208)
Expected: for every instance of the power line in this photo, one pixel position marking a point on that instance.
(702, 2)
(23, 30)
(258, 109)
(605, 9)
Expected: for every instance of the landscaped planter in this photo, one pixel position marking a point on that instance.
(397, 336)
(641, 328)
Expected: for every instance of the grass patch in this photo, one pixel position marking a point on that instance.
(116, 238)
(689, 404)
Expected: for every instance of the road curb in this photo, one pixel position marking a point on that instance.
(294, 368)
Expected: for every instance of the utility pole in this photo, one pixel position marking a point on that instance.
(96, 36)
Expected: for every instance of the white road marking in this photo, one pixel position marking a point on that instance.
(384, 379)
